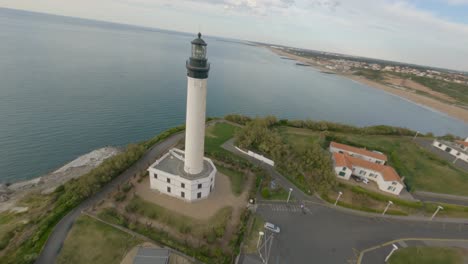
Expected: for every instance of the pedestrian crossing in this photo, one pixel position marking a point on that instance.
(290, 208)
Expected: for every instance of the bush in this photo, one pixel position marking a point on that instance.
(266, 193)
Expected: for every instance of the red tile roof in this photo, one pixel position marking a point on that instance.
(341, 161)
(388, 173)
(361, 151)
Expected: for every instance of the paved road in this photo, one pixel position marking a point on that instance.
(441, 198)
(325, 235)
(56, 239)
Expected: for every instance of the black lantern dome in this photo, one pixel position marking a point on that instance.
(197, 65)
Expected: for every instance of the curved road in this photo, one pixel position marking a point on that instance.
(59, 234)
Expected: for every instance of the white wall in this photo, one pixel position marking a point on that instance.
(455, 153)
(357, 155)
(346, 170)
(257, 156)
(190, 189)
(378, 178)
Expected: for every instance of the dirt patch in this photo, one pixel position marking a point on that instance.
(412, 85)
(221, 196)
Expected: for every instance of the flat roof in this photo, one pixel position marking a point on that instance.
(454, 145)
(173, 163)
(151, 256)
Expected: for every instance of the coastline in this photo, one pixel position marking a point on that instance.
(10, 194)
(431, 103)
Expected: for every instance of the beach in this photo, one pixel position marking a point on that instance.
(438, 105)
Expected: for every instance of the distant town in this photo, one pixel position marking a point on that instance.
(347, 64)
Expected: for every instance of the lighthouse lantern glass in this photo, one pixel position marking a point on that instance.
(198, 51)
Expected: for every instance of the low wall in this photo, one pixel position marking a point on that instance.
(257, 156)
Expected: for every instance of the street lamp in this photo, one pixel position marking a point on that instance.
(417, 132)
(338, 198)
(386, 208)
(289, 195)
(436, 211)
(394, 247)
(260, 235)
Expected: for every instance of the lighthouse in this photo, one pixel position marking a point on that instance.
(188, 175)
(197, 77)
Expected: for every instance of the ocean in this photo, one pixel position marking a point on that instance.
(69, 86)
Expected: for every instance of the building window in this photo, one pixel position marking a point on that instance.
(362, 172)
(458, 153)
(168, 180)
(378, 162)
(199, 186)
(440, 145)
(155, 176)
(342, 173)
(211, 188)
(448, 149)
(344, 168)
(199, 195)
(182, 185)
(182, 194)
(393, 183)
(168, 189)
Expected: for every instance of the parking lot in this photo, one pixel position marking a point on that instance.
(325, 235)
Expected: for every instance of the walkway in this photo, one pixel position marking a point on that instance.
(57, 237)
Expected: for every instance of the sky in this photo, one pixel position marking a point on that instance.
(427, 32)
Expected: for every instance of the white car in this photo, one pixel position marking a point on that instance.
(365, 180)
(272, 227)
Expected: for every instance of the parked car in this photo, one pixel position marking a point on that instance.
(272, 227)
(365, 180)
(356, 178)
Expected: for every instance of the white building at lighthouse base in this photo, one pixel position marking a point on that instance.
(167, 175)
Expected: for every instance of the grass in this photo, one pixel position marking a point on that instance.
(279, 194)
(237, 179)
(217, 134)
(358, 198)
(250, 242)
(184, 224)
(427, 255)
(91, 241)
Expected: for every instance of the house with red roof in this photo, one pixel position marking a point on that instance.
(372, 156)
(365, 165)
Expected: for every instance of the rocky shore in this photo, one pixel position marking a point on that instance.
(10, 194)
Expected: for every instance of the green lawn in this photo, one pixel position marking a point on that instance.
(237, 179)
(91, 241)
(427, 255)
(423, 170)
(250, 242)
(216, 136)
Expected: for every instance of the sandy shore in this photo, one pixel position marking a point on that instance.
(11, 194)
(446, 108)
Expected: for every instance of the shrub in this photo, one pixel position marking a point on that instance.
(266, 193)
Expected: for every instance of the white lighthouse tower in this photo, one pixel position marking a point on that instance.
(197, 77)
(188, 175)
